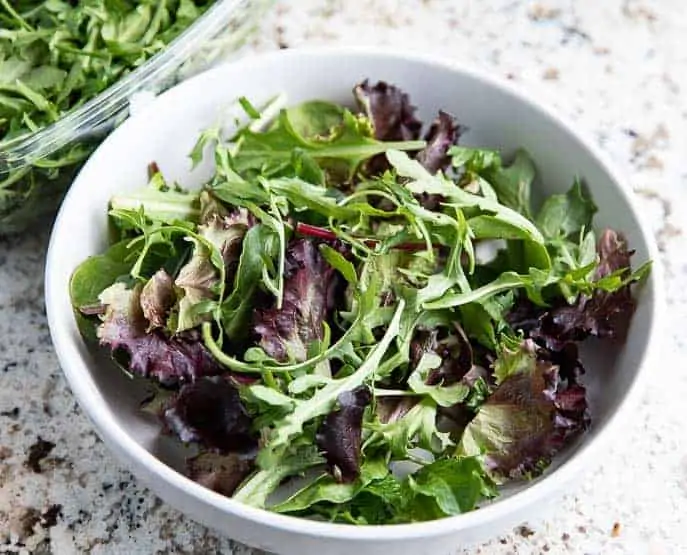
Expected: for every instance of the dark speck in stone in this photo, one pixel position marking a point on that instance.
(572, 32)
(37, 452)
(280, 38)
(9, 366)
(14, 413)
(50, 516)
(107, 487)
(42, 548)
(631, 133)
(525, 531)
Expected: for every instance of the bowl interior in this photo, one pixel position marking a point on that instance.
(166, 131)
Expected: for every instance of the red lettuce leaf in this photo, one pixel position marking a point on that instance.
(169, 360)
(286, 333)
(452, 345)
(529, 417)
(210, 412)
(157, 298)
(339, 436)
(442, 135)
(392, 116)
(390, 111)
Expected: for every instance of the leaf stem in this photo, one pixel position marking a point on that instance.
(17, 17)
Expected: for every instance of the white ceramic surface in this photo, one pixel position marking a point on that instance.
(165, 131)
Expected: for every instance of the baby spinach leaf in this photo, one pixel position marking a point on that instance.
(513, 184)
(565, 215)
(449, 487)
(93, 276)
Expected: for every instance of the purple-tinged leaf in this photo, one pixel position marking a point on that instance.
(392, 116)
(286, 334)
(530, 416)
(210, 412)
(606, 314)
(390, 111)
(226, 233)
(613, 253)
(199, 278)
(339, 436)
(442, 135)
(157, 298)
(169, 360)
(452, 345)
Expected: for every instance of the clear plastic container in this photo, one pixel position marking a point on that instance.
(36, 169)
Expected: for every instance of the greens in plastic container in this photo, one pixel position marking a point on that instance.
(68, 70)
(380, 317)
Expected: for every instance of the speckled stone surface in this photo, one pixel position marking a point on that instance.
(619, 69)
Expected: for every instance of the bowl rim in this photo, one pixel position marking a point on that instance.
(89, 396)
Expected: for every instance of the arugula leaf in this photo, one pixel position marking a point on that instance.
(425, 183)
(256, 489)
(507, 281)
(341, 151)
(326, 489)
(323, 400)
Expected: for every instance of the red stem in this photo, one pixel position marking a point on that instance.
(314, 231)
(321, 233)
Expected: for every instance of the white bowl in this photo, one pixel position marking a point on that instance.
(497, 116)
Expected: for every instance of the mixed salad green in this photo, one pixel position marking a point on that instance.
(388, 325)
(55, 55)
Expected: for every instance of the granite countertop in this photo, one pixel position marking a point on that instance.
(616, 67)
